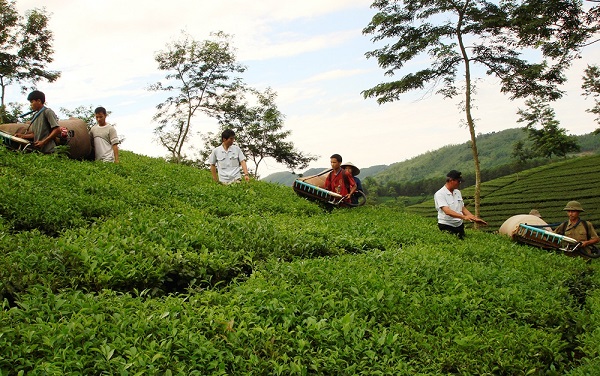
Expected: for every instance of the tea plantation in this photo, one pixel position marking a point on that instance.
(150, 268)
(546, 188)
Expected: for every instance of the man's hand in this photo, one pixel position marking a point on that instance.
(40, 144)
(480, 221)
(472, 218)
(25, 136)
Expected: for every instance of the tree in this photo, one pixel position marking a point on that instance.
(25, 49)
(258, 128)
(13, 113)
(522, 153)
(198, 73)
(371, 185)
(549, 139)
(460, 34)
(591, 88)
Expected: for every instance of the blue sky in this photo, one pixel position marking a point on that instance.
(310, 52)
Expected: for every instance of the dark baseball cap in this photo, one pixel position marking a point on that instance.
(456, 175)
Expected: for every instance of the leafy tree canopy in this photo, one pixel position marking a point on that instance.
(13, 112)
(549, 139)
(591, 88)
(197, 74)
(496, 35)
(25, 48)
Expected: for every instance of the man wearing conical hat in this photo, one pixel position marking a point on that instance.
(578, 229)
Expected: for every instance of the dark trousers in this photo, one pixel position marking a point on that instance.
(459, 231)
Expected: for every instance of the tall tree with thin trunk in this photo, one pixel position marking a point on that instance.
(452, 37)
(25, 49)
(197, 74)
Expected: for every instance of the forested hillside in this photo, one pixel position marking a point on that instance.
(147, 267)
(495, 150)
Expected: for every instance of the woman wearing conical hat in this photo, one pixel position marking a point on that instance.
(353, 170)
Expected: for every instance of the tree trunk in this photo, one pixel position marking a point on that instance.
(471, 125)
(3, 89)
(470, 122)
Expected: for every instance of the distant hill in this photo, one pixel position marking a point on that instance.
(287, 178)
(494, 148)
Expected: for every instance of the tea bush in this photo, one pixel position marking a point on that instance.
(123, 226)
(151, 268)
(419, 309)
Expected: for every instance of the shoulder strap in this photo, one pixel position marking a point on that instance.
(561, 228)
(35, 116)
(38, 113)
(587, 229)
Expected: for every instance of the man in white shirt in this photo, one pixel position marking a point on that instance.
(228, 159)
(104, 138)
(451, 208)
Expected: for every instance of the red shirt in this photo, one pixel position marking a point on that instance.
(340, 183)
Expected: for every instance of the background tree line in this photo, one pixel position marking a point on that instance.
(421, 176)
(427, 187)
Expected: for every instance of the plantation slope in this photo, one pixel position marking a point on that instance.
(150, 268)
(546, 188)
(439, 306)
(147, 224)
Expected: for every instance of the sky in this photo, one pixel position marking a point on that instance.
(311, 53)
